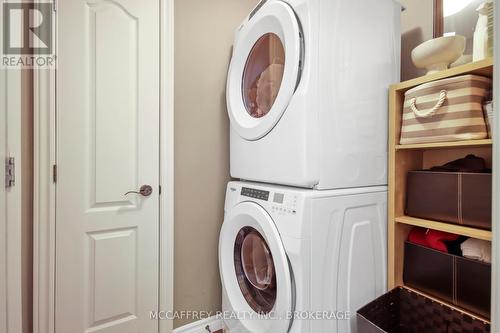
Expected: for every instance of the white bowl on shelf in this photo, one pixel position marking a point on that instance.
(437, 54)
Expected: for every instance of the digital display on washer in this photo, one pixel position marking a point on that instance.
(254, 193)
(278, 198)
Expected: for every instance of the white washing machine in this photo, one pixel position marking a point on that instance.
(300, 260)
(307, 92)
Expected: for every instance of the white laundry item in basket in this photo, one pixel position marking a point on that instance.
(477, 249)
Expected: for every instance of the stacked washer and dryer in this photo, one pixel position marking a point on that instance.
(303, 243)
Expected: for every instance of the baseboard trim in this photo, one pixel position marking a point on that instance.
(214, 323)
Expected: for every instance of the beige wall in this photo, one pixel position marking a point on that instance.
(204, 31)
(417, 27)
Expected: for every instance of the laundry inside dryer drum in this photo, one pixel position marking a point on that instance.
(263, 75)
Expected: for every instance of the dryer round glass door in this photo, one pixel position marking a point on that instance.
(255, 271)
(263, 74)
(264, 70)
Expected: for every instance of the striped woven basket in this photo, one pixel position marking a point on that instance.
(445, 110)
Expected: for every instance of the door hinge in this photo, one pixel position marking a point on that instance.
(159, 189)
(54, 173)
(54, 5)
(10, 172)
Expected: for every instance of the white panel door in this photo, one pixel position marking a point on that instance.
(107, 106)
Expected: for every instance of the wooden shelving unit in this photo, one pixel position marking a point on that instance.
(483, 67)
(450, 145)
(453, 228)
(404, 158)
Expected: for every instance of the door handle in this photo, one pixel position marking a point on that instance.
(145, 191)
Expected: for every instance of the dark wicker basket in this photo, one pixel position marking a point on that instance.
(404, 311)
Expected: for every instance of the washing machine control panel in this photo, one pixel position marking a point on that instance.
(275, 201)
(255, 193)
(284, 204)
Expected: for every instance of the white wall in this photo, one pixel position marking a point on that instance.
(417, 23)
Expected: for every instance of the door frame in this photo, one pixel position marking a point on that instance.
(495, 296)
(44, 204)
(11, 220)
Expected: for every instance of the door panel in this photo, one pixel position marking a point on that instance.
(107, 105)
(113, 292)
(113, 84)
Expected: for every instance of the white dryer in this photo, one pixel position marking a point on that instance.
(307, 92)
(299, 260)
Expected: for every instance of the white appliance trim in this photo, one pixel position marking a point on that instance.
(44, 188)
(214, 323)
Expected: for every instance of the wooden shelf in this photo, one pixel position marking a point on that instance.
(440, 301)
(447, 227)
(405, 158)
(483, 68)
(447, 145)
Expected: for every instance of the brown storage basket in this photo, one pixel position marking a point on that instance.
(404, 311)
(453, 197)
(445, 110)
(457, 280)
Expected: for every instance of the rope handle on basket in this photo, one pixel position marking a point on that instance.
(426, 114)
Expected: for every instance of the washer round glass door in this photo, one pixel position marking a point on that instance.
(264, 70)
(255, 270)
